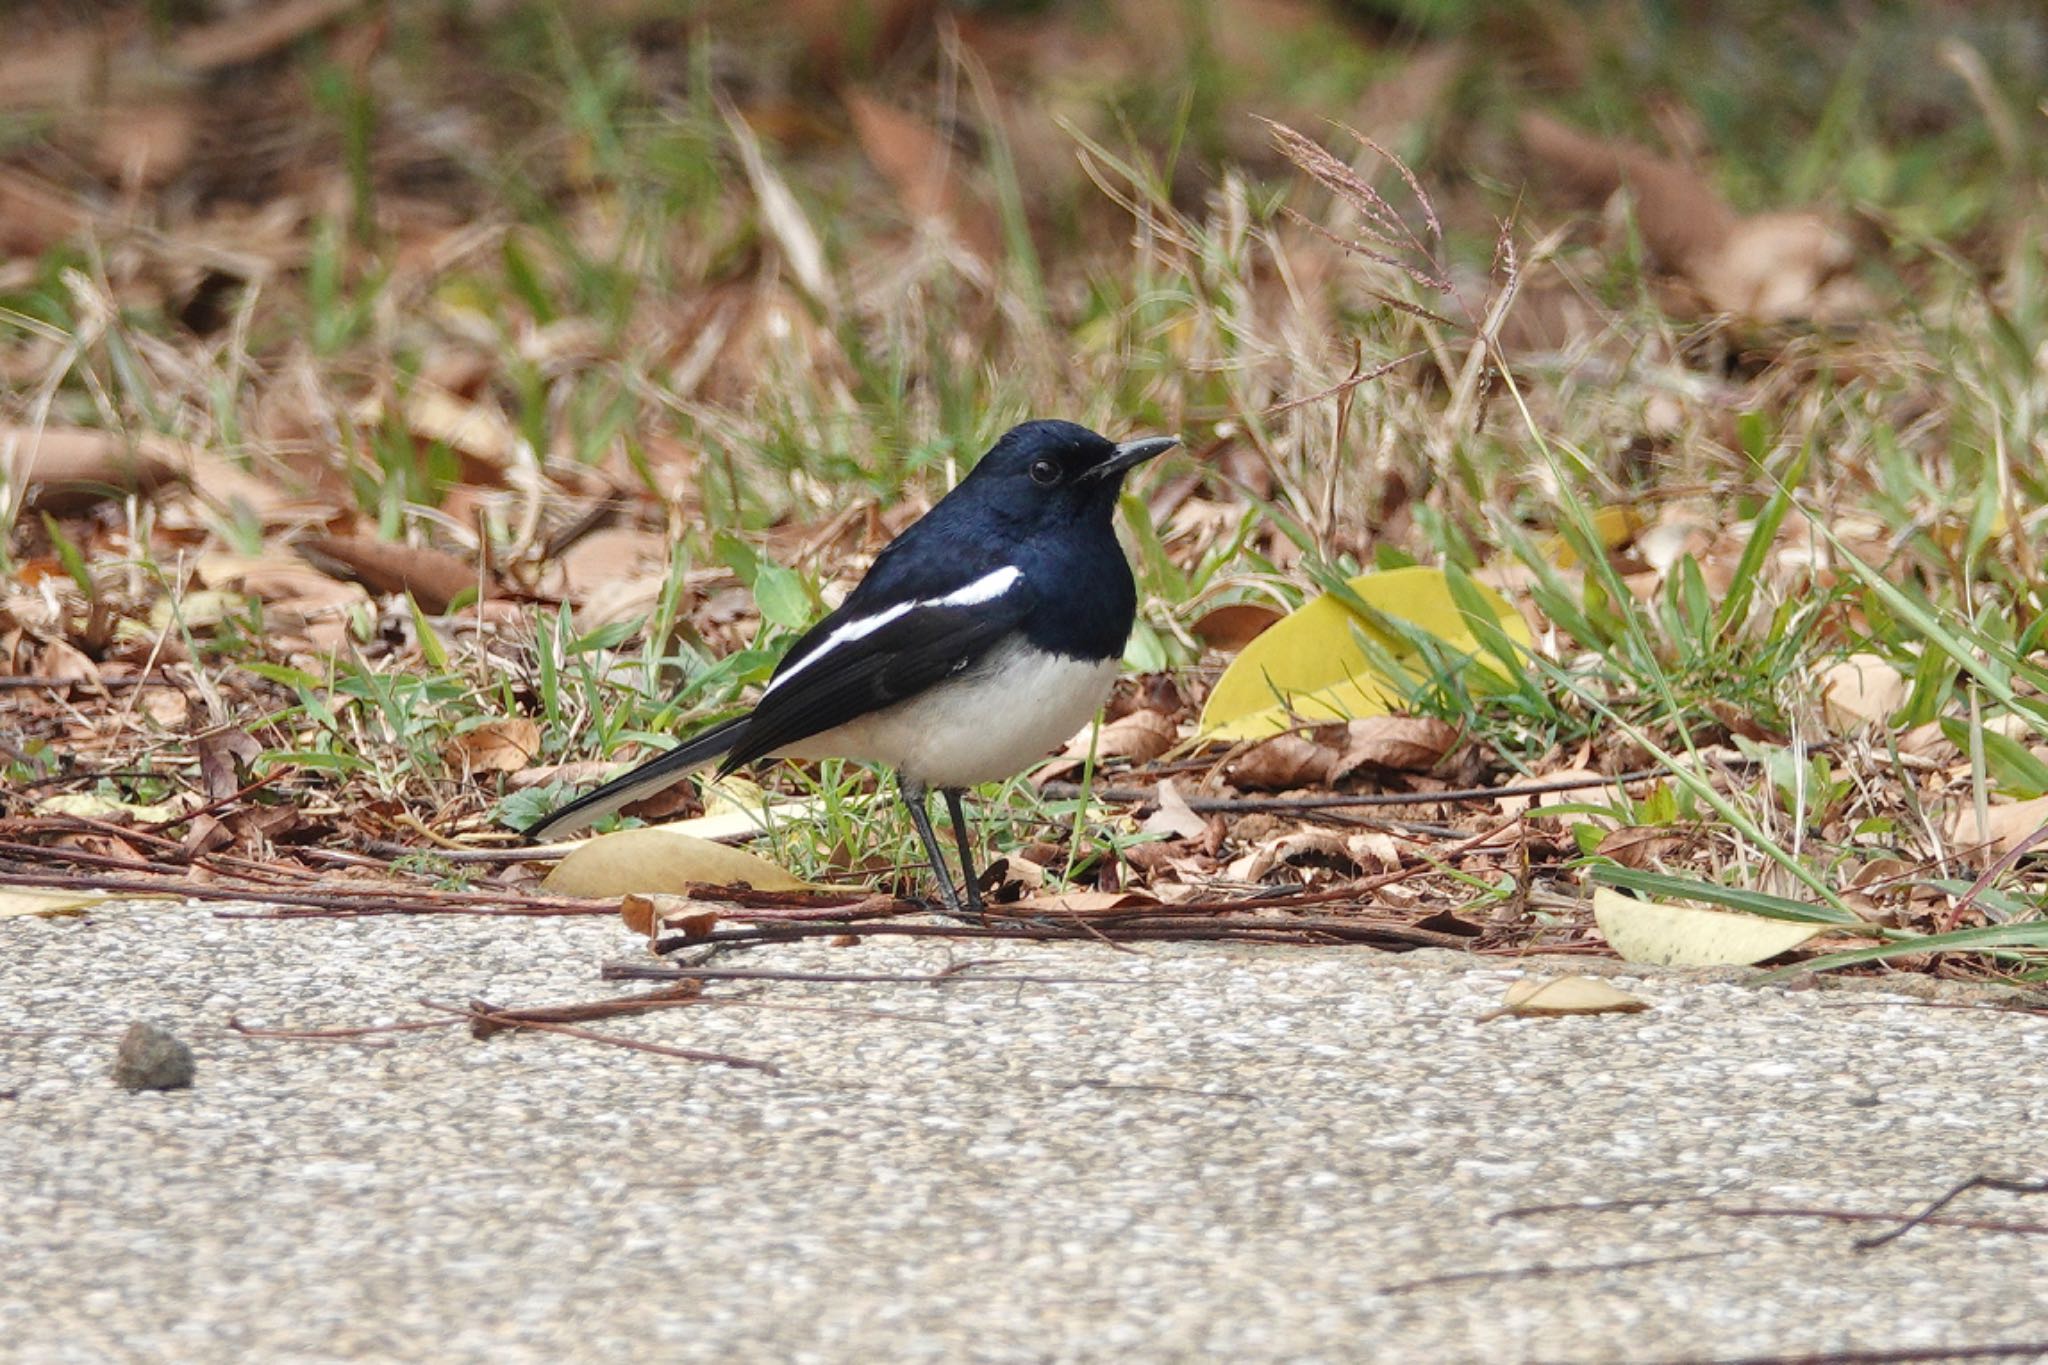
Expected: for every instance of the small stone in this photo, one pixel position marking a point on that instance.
(152, 1058)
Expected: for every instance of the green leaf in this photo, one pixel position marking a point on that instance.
(781, 596)
(2019, 773)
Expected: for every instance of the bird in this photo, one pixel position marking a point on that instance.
(981, 638)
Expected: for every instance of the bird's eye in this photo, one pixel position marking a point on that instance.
(1045, 473)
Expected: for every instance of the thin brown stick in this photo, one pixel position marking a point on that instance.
(1905, 1355)
(636, 971)
(1975, 1182)
(336, 1035)
(479, 1011)
(1543, 1270)
(1203, 805)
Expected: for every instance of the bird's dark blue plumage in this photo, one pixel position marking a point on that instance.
(979, 638)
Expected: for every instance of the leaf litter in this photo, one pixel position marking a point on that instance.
(309, 570)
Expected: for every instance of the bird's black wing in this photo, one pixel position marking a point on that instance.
(855, 664)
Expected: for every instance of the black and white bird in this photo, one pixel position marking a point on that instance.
(983, 637)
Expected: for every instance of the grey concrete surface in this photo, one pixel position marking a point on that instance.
(1203, 1153)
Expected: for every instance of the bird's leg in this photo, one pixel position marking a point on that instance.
(953, 795)
(913, 796)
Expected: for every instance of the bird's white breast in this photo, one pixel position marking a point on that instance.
(989, 723)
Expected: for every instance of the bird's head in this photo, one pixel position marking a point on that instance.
(1059, 469)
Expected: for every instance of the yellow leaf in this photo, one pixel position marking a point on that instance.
(1566, 995)
(92, 806)
(1615, 526)
(657, 860)
(1681, 936)
(1310, 667)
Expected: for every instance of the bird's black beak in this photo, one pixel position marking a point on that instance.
(1131, 454)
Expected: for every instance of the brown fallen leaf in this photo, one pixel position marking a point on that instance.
(1404, 744)
(497, 746)
(1081, 902)
(1771, 267)
(480, 435)
(1639, 845)
(1230, 628)
(255, 33)
(1308, 849)
(924, 170)
(2004, 827)
(1863, 689)
(145, 143)
(62, 661)
(652, 915)
(1175, 818)
(1283, 762)
(1138, 737)
(34, 215)
(224, 758)
(67, 469)
(434, 577)
(53, 70)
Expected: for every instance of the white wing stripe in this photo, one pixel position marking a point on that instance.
(984, 589)
(987, 588)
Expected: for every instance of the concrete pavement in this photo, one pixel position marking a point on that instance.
(1264, 1155)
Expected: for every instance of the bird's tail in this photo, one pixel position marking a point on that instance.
(656, 774)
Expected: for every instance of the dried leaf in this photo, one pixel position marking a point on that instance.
(61, 661)
(1563, 995)
(496, 746)
(258, 32)
(924, 171)
(1770, 267)
(1863, 689)
(66, 469)
(53, 70)
(1230, 628)
(2004, 827)
(1174, 818)
(1138, 737)
(224, 759)
(1681, 936)
(648, 861)
(434, 577)
(1639, 845)
(1283, 762)
(1402, 744)
(145, 143)
(1082, 902)
(652, 915)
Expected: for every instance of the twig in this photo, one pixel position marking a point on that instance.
(483, 1013)
(1203, 805)
(336, 1035)
(1904, 1355)
(1543, 1270)
(1975, 1182)
(685, 992)
(636, 971)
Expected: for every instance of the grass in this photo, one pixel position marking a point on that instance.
(566, 223)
